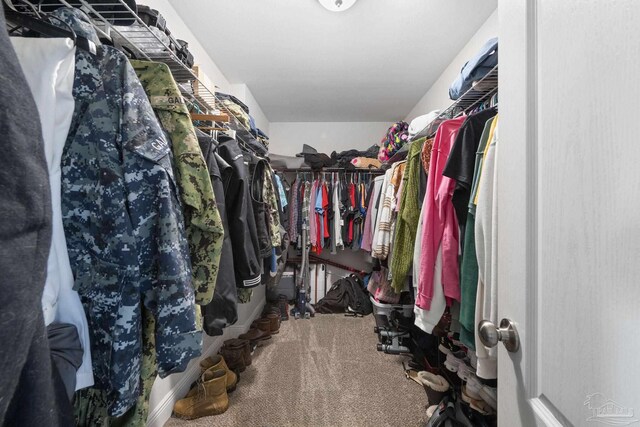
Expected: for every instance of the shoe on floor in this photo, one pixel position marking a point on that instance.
(434, 385)
(473, 387)
(274, 320)
(464, 370)
(216, 363)
(209, 399)
(255, 336)
(234, 355)
(454, 361)
(478, 405)
(489, 395)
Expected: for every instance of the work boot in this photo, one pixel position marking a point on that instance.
(243, 345)
(283, 304)
(274, 320)
(263, 324)
(255, 336)
(217, 362)
(209, 399)
(270, 308)
(234, 356)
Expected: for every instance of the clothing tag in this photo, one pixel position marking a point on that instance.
(342, 222)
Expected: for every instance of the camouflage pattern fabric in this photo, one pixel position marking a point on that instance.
(124, 228)
(273, 216)
(244, 295)
(202, 218)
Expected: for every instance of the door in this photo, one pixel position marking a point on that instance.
(569, 212)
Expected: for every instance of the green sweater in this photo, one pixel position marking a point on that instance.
(408, 217)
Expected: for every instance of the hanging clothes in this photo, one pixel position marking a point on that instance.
(372, 214)
(118, 185)
(469, 263)
(48, 65)
(203, 224)
(28, 376)
(242, 229)
(461, 162)
(222, 311)
(440, 223)
(338, 219)
(486, 248)
(408, 215)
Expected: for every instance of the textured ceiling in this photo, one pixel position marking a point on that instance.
(303, 63)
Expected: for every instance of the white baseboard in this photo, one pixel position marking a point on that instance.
(160, 413)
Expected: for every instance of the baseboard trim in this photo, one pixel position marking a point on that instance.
(162, 412)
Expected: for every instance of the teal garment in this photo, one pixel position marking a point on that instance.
(469, 262)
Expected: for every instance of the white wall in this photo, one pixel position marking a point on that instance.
(287, 138)
(437, 97)
(181, 31)
(243, 93)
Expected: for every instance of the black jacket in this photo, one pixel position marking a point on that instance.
(242, 225)
(257, 167)
(222, 311)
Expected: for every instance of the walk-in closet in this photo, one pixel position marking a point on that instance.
(319, 213)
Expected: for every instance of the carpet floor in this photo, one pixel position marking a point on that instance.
(322, 372)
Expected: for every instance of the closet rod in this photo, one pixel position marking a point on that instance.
(342, 170)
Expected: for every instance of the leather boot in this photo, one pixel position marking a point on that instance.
(210, 397)
(255, 336)
(234, 356)
(283, 305)
(244, 346)
(274, 321)
(263, 324)
(217, 362)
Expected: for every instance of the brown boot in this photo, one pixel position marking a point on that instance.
(244, 346)
(274, 321)
(283, 304)
(255, 336)
(263, 324)
(234, 356)
(210, 397)
(217, 362)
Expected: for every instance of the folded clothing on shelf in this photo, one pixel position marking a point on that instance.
(475, 69)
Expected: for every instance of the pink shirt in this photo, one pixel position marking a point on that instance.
(440, 224)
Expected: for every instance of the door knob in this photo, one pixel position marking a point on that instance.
(507, 333)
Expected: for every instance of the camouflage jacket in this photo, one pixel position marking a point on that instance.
(270, 198)
(202, 218)
(123, 223)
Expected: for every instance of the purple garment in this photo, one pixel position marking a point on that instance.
(313, 233)
(320, 213)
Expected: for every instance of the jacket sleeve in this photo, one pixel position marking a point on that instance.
(157, 221)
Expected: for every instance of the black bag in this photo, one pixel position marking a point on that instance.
(347, 295)
(359, 302)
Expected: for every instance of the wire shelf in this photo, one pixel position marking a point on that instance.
(152, 44)
(481, 91)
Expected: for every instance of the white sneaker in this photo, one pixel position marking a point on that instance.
(473, 359)
(464, 371)
(453, 363)
(489, 395)
(473, 387)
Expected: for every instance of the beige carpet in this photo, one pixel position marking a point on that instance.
(323, 371)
